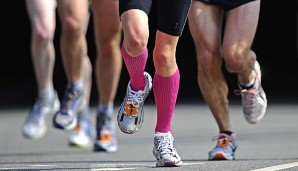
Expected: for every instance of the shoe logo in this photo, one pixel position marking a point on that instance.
(77, 128)
(130, 109)
(105, 137)
(223, 142)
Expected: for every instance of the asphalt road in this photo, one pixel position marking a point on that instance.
(271, 145)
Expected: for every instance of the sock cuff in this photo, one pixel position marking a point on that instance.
(172, 77)
(125, 54)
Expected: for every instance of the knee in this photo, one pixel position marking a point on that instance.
(234, 61)
(209, 60)
(42, 36)
(71, 26)
(163, 58)
(135, 45)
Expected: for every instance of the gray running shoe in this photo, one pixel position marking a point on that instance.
(83, 134)
(164, 150)
(105, 133)
(36, 123)
(225, 148)
(67, 117)
(131, 113)
(254, 101)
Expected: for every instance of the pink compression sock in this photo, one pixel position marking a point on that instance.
(165, 93)
(135, 67)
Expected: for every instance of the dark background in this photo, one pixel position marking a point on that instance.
(275, 45)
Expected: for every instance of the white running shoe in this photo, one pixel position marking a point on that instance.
(36, 123)
(164, 150)
(254, 101)
(225, 148)
(73, 102)
(131, 113)
(106, 140)
(83, 134)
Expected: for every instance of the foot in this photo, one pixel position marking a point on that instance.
(67, 117)
(164, 150)
(36, 123)
(106, 133)
(131, 113)
(83, 134)
(254, 101)
(225, 148)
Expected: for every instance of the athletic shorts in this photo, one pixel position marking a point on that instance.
(227, 4)
(172, 14)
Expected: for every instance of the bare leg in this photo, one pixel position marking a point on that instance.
(108, 69)
(108, 59)
(42, 18)
(210, 76)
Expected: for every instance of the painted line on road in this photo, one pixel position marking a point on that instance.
(116, 166)
(113, 169)
(278, 167)
(42, 165)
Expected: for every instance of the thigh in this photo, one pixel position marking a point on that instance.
(241, 25)
(73, 11)
(205, 24)
(42, 14)
(107, 23)
(172, 15)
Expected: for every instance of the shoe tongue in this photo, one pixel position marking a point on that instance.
(162, 133)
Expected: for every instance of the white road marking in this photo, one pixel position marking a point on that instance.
(113, 169)
(41, 165)
(9, 168)
(278, 167)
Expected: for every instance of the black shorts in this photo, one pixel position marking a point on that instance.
(227, 4)
(172, 14)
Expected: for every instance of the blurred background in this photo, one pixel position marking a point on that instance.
(275, 45)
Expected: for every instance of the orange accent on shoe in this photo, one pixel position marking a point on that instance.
(105, 136)
(223, 142)
(77, 128)
(130, 109)
(219, 157)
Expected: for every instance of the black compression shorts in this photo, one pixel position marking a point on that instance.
(172, 14)
(227, 4)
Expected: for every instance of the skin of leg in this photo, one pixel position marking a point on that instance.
(107, 32)
(205, 26)
(164, 54)
(136, 31)
(73, 15)
(87, 79)
(43, 22)
(240, 30)
(87, 71)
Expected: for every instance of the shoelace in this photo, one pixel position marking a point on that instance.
(250, 96)
(71, 95)
(103, 121)
(135, 98)
(165, 145)
(221, 136)
(35, 117)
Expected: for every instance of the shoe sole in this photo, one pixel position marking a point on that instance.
(73, 144)
(30, 137)
(169, 164)
(221, 157)
(97, 148)
(68, 127)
